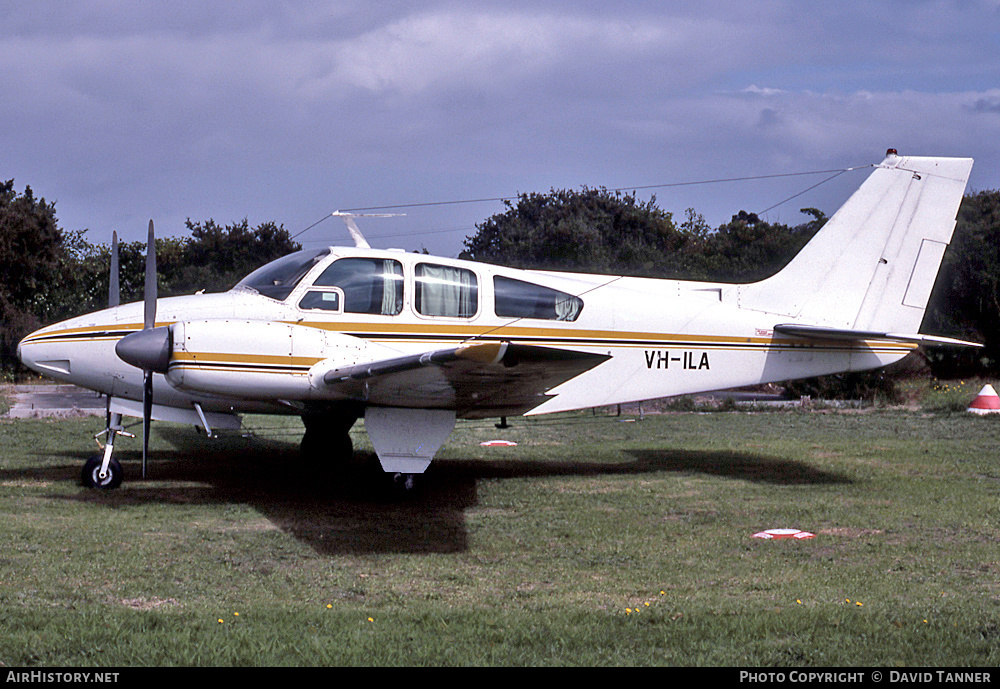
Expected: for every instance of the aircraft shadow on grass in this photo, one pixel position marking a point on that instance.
(352, 510)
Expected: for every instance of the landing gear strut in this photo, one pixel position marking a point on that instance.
(104, 471)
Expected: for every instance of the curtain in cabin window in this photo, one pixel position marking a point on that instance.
(519, 299)
(446, 291)
(392, 287)
(568, 308)
(370, 285)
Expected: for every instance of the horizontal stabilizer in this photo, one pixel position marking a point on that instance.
(820, 333)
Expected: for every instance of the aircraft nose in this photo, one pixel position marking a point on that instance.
(40, 358)
(26, 351)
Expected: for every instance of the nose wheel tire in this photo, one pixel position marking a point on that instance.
(91, 477)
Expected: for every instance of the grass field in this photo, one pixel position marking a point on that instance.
(598, 540)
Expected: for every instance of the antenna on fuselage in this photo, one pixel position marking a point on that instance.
(352, 227)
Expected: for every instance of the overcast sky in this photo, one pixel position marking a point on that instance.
(125, 111)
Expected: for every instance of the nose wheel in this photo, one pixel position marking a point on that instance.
(92, 476)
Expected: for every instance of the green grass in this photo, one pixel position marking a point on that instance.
(598, 540)
(934, 395)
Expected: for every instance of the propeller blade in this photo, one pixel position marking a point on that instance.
(149, 310)
(147, 413)
(149, 323)
(114, 292)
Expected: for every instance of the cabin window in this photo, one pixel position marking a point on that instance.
(519, 299)
(278, 278)
(445, 291)
(367, 285)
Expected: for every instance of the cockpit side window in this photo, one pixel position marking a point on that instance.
(368, 285)
(278, 278)
(519, 299)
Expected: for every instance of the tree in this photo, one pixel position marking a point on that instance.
(599, 231)
(31, 245)
(588, 230)
(215, 257)
(965, 302)
(747, 249)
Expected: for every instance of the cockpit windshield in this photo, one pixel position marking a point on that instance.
(278, 278)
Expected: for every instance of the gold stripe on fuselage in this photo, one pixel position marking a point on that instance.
(420, 333)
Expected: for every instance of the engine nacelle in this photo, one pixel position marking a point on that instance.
(262, 360)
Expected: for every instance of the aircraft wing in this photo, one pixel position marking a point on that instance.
(477, 380)
(821, 333)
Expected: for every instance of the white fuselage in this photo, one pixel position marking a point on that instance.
(240, 351)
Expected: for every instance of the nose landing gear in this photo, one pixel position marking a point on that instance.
(104, 471)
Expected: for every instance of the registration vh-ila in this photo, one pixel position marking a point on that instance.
(410, 342)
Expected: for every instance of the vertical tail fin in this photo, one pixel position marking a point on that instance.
(873, 265)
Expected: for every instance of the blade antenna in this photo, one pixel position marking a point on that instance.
(352, 227)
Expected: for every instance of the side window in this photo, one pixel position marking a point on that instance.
(331, 299)
(358, 285)
(518, 299)
(445, 291)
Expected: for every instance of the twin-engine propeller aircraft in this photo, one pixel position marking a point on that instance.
(411, 342)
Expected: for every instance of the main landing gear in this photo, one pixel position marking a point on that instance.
(327, 448)
(327, 439)
(405, 484)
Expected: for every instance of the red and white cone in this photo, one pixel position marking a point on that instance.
(986, 402)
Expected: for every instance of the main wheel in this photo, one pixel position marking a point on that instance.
(405, 484)
(91, 474)
(320, 447)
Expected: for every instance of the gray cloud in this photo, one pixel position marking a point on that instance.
(276, 111)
